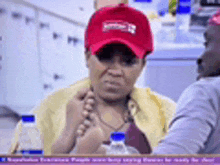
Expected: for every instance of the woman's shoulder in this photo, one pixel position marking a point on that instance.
(151, 95)
(168, 107)
(60, 97)
(65, 93)
(163, 98)
(164, 103)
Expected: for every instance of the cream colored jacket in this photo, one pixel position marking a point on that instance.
(152, 114)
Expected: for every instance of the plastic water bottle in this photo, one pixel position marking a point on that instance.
(183, 14)
(183, 21)
(163, 7)
(118, 147)
(30, 139)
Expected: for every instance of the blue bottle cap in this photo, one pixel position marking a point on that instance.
(117, 136)
(2, 159)
(28, 118)
(162, 13)
(184, 7)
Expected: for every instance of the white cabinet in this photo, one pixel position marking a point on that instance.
(3, 19)
(78, 10)
(38, 55)
(61, 52)
(20, 76)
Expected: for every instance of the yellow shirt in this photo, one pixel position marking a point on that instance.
(153, 113)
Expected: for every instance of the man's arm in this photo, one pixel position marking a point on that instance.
(196, 115)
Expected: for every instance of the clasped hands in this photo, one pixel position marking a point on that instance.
(88, 134)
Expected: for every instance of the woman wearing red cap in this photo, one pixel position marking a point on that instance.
(195, 128)
(82, 116)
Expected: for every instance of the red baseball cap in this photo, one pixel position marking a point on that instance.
(119, 24)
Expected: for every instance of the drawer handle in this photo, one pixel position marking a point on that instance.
(47, 86)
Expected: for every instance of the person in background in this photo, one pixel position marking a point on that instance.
(105, 3)
(195, 128)
(81, 117)
(172, 7)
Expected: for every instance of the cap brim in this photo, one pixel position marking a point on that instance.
(139, 52)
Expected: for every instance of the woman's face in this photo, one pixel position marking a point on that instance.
(113, 72)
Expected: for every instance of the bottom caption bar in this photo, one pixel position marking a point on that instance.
(110, 160)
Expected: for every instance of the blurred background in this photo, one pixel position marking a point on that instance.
(42, 49)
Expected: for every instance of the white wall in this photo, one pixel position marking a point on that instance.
(169, 72)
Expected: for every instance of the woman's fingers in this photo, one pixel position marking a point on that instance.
(89, 104)
(95, 119)
(84, 127)
(82, 93)
(89, 95)
(81, 130)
